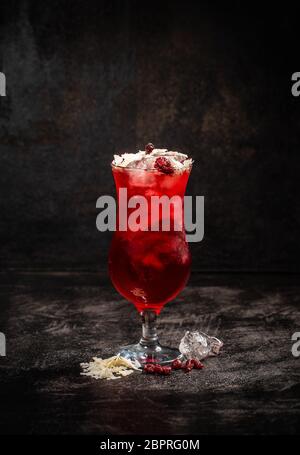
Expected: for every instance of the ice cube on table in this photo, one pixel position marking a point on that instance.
(199, 345)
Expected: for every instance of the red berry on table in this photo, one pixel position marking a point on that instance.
(198, 365)
(188, 366)
(149, 368)
(148, 148)
(158, 368)
(176, 364)
(162, 164)
(166, 370)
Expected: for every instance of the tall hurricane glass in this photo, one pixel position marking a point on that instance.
(150, 267)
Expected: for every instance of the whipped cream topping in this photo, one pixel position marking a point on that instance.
(179, 162)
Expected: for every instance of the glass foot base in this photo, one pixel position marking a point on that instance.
(150, 354)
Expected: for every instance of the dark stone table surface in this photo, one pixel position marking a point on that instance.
(55, 320)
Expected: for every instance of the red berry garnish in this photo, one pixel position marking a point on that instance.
(149, 368)
(176, 364)
(166, 370)
(198, 365)
(188, 366)
(148, 148)
(162, 164)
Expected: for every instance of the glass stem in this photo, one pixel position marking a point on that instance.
(149, 333)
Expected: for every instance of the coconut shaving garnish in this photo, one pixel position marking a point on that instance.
(112, 368)
(149, 158)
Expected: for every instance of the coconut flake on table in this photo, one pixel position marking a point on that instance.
(112, 368)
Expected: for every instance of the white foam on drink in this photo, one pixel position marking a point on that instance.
(143, 160)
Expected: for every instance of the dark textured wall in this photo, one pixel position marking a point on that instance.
(86, 79)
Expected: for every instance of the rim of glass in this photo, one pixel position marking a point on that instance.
(152, 169)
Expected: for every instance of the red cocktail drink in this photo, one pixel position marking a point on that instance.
(149, 259)
(150, 268)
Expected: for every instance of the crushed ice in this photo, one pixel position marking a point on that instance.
(199, 345)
